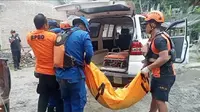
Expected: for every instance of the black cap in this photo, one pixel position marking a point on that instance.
(77, 21)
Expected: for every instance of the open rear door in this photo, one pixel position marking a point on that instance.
(178, 33)
(95, 9)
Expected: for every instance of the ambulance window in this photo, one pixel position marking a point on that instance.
(94, 30)
(143, 28)
(105, 30)
(142, 24)
(108, 30)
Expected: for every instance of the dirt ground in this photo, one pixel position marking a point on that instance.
(184, 96)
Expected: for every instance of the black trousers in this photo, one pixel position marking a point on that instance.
(48, 87)
(16, 54)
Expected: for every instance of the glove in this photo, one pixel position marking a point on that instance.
(145, 71)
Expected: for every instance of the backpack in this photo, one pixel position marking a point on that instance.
(61, 58)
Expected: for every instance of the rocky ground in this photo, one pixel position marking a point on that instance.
(184, 96)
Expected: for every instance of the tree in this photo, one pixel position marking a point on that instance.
(166, 6)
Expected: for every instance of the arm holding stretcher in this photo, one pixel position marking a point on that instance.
(88, 49)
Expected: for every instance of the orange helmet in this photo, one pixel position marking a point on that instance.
(155, 15)
(64, 25)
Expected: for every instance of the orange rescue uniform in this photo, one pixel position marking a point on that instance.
(42, 43)
(156, 71)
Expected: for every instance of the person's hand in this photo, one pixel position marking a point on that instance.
(145, 71)
(11, 40)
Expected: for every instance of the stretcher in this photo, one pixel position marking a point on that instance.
(118, 55)
(116, 59)
(115, 99)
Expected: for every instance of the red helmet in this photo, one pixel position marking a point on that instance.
(64, 25)
(155, 15)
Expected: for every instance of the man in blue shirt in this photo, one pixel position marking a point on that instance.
(72, 80)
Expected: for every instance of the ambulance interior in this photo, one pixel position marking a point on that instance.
(111, 35)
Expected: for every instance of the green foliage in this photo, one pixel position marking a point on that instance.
(165, 5)
(197, 10)
(137, 6)
(196, 27)
(187, 7)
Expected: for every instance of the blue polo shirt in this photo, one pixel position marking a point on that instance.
(56, 30)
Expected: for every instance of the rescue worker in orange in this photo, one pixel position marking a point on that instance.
(159, 62)
(42, 42)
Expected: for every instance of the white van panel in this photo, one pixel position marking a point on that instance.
(134, 68)
(135, 64)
